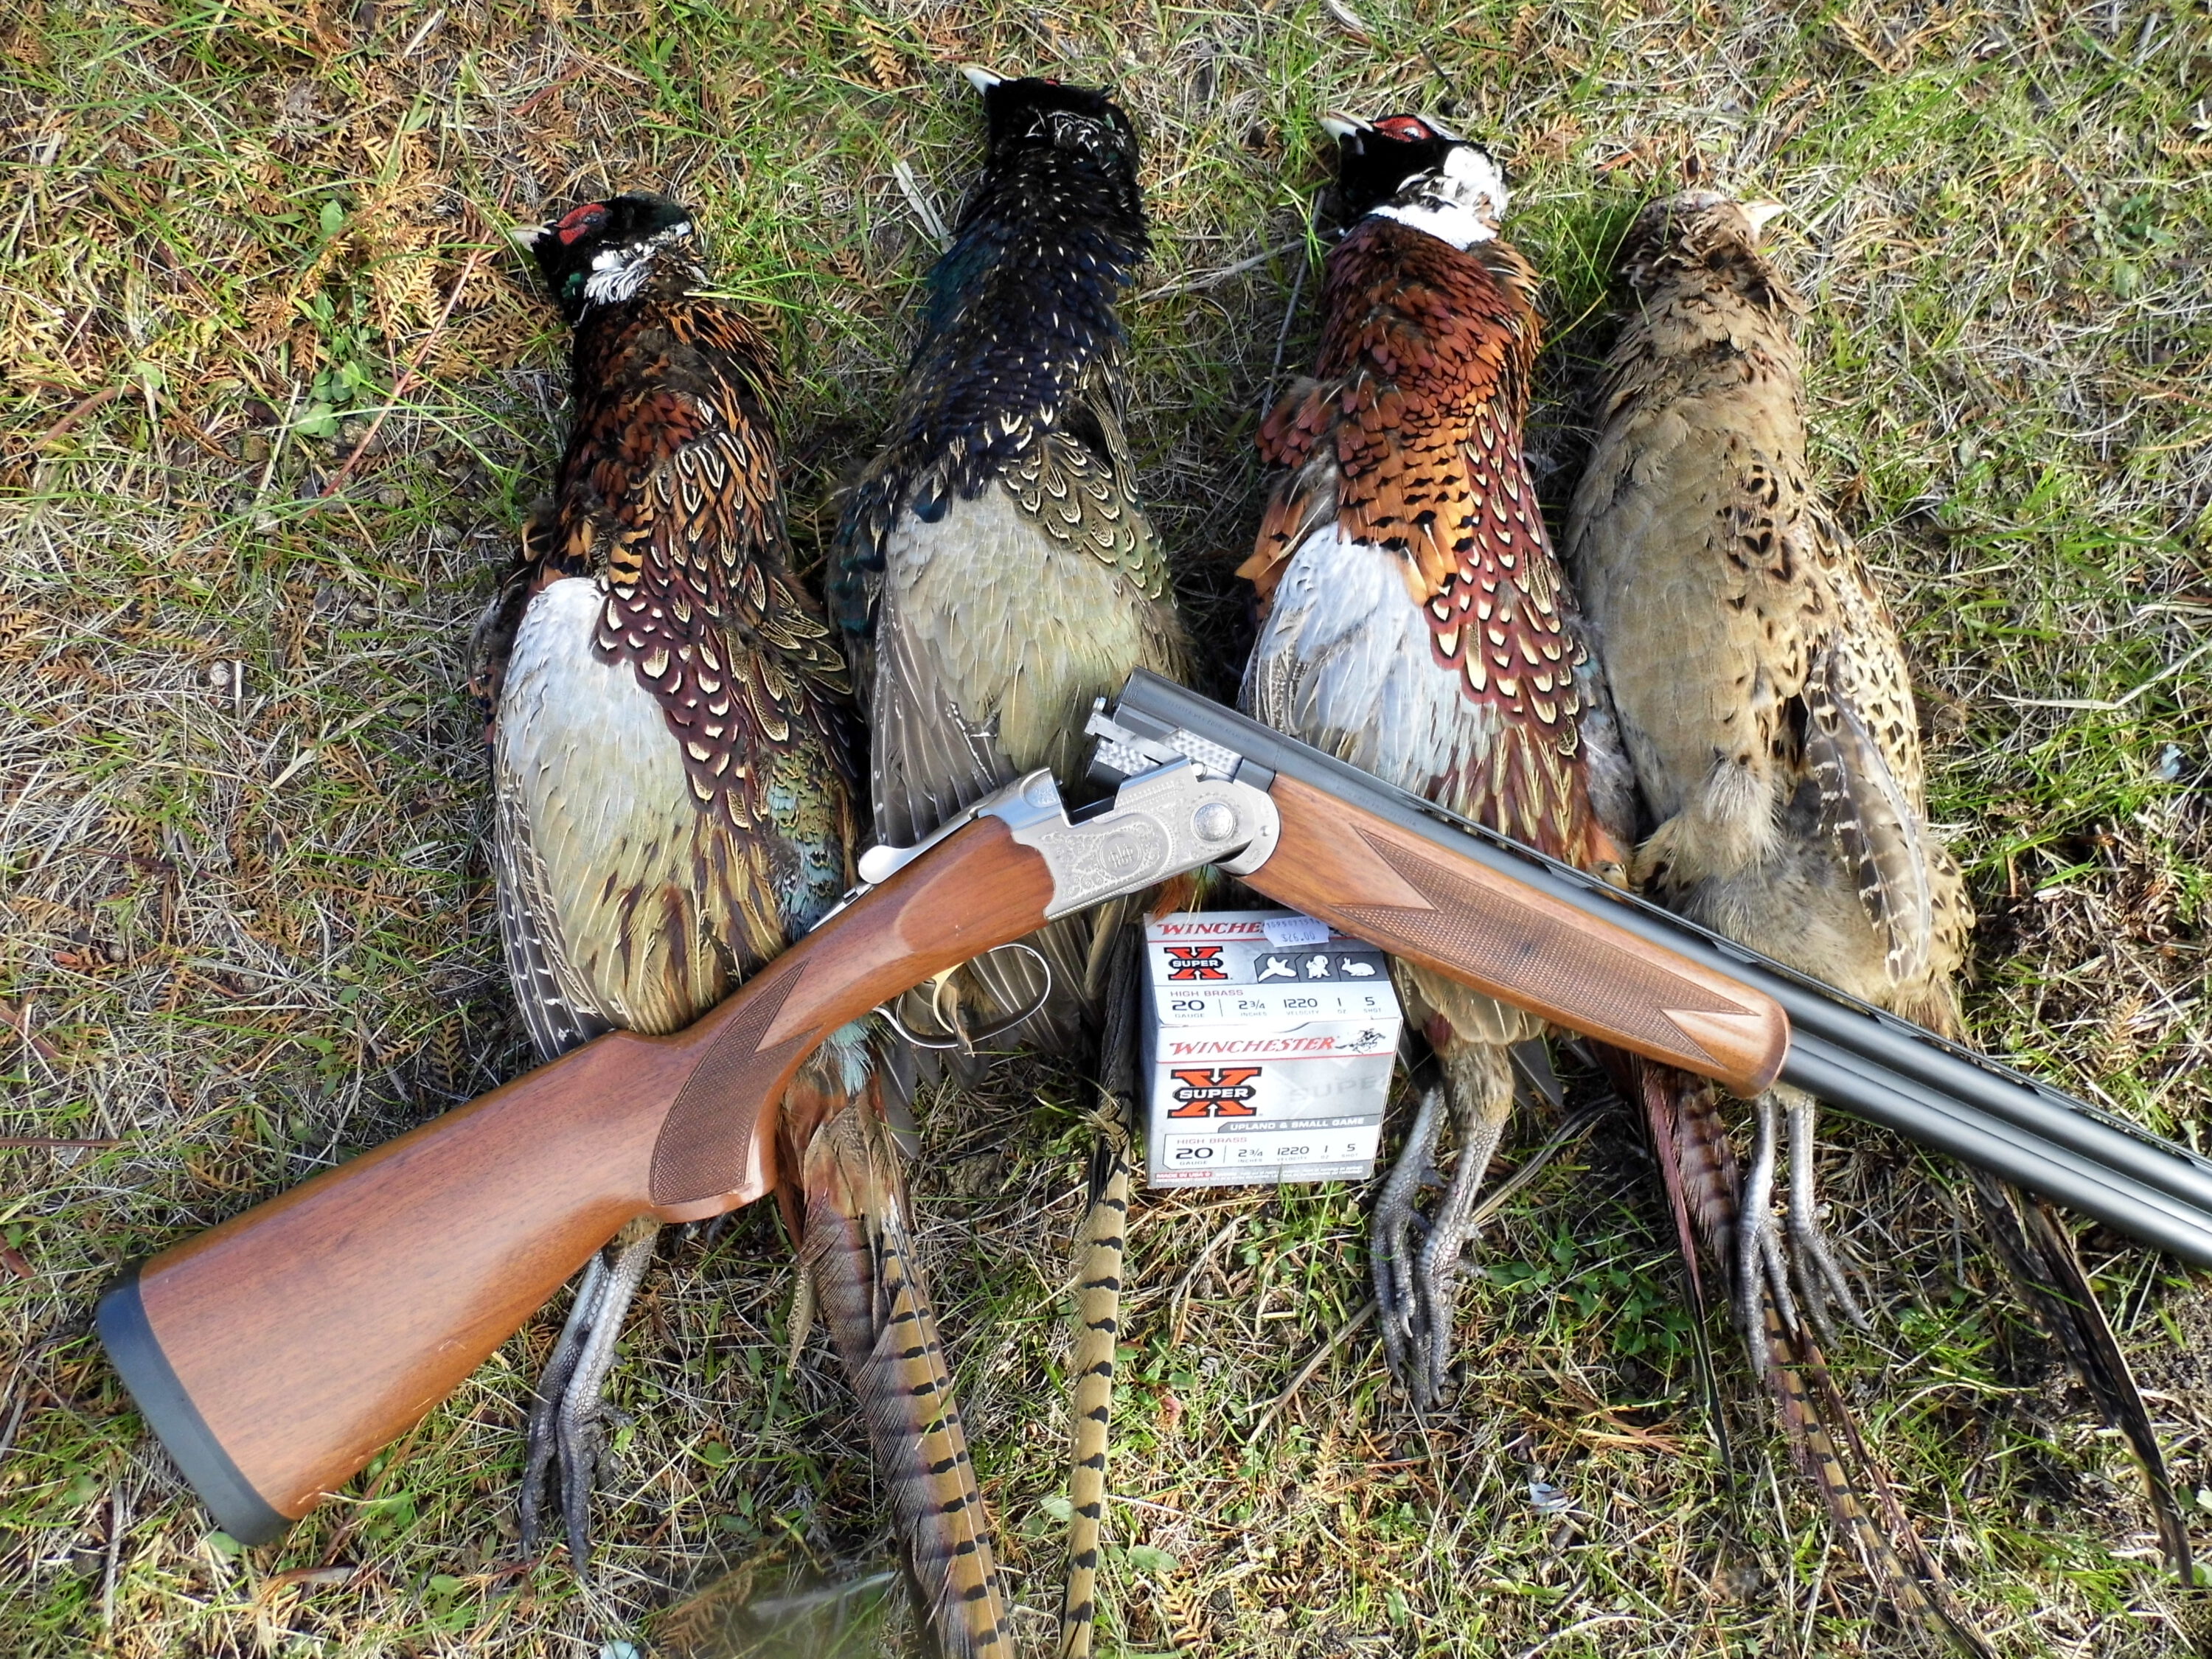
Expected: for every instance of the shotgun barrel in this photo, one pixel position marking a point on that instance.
(1861, 1059)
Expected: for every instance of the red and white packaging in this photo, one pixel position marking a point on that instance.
(1268, 1050)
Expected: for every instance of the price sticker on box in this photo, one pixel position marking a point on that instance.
(1268, 1049)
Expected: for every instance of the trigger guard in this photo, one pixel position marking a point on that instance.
(985, 1036)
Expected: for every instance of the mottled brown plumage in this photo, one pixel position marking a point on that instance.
(1415, 622)
(1763, 697)
(675, 796)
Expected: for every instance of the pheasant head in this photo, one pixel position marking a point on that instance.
(1418, 171)
(1703, 247)
(605, 252)
(1055, 152)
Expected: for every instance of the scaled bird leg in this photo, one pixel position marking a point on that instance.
(552, 1384)
(1819, 1274)
(579, 1425)
(1392, 1233)
(1480, 1084)
(1758, 1258)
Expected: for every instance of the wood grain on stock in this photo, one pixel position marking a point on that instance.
(316, 1328)
(1397, 890)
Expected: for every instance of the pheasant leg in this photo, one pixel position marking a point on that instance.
(1437, 1288)
(552, 1382)
(567, 1424)
(1415, 1290)
(1759, 1259)
(1819, 1274)
(1396, 1221)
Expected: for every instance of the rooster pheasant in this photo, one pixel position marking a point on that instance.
(997, 575)
(1416, 624)
(674, 804)
(1763, 699)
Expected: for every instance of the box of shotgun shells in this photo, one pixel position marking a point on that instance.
(1268, 1049)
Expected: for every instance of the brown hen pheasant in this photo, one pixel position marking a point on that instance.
(1416, 624)
(675, 804)
(1763, 697)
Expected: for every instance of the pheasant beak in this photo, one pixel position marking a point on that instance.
(1341, 127)
(980, 78)
(526, 237)
(1760, 212)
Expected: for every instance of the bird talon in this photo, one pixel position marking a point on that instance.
(568, 1418)
(1759, 1269)
(1417, 1292)
(1818, 1269)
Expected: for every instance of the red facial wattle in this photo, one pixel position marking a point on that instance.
(581, 222)
(1410, 128)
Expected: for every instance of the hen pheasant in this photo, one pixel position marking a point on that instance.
(997, 575)
(1779, 754)
(1415, 621)
(674, 804)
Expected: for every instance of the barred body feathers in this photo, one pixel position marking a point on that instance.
(1415, 620)
(1763, 697)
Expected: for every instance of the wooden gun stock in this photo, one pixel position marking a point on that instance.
(1386, 884)
(275, 1355)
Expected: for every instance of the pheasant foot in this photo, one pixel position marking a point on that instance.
(1415, 1287)
(1805, 1275)
(1819, 1274)
(1441, 1264)
(1758, 1258)
(1393, 1251)
(568, 1419)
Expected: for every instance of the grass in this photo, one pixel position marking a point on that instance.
(242, 836)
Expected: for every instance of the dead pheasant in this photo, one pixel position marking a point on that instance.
(996, 575)
(674, 792)
(1763, 697)
(1416, 624)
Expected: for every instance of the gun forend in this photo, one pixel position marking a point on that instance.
(1391, 887)
(276, 1354)
(1379, 864)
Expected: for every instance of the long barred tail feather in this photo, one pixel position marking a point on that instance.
(869, 1291)
(2038, 1250)
(1098, 1307)
(1692, 1162)
(1821, 1430)
(1698, 1167)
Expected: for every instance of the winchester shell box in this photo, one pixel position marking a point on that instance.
(1268, 1052)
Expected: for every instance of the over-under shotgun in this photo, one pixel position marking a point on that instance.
(277, 1353)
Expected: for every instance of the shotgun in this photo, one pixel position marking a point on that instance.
(275, 1355)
